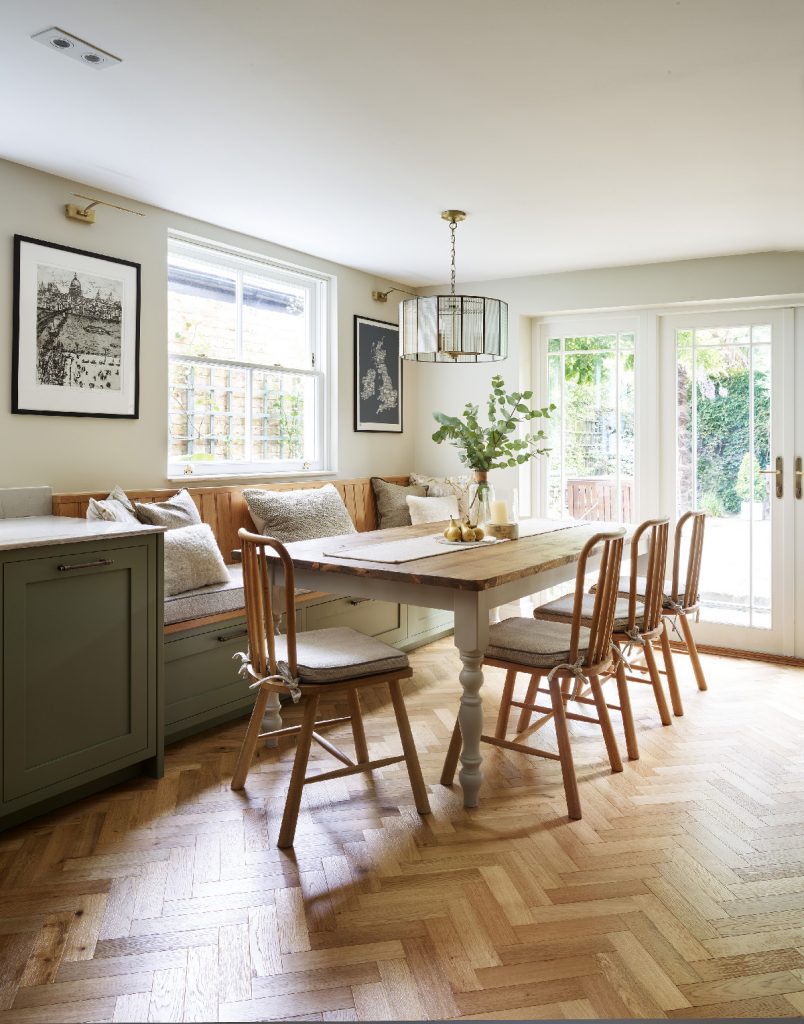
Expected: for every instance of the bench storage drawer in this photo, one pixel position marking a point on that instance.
(202, 684)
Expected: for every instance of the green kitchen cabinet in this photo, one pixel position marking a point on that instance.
(81, 627)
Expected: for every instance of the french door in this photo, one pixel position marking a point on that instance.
(659, 414)
(727, 383)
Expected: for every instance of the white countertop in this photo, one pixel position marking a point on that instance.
(38, 531)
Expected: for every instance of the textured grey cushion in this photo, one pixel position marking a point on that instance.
(176, 511)
(212, 600)
(115, 508)
(330, 655)
(537, 644)
(392, 509)
(564, 606)
(192, 559)
(625, 588)
(299, 515)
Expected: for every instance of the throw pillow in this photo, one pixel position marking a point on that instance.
(392, 509)
(116, 507)
(176, 511)
(192, 559)
(298, 515)
(432, 510)
(438, 486)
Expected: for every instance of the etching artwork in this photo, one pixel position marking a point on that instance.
(78, 329)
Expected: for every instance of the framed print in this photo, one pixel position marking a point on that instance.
(76, 342)
(378, 377)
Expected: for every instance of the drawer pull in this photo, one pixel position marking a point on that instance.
(357, 600)
(85, 565)
(232, 636)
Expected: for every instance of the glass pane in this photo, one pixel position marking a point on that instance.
(627, 438)
(590, 436)
(202, 309)
(627, 341)
(275, 323)
(590, 343)
(554, 345)
(207, 412)
(552, 427)
(723, 404)
(282, 416)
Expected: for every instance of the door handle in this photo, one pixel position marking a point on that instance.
(798, 473)
(779, 474)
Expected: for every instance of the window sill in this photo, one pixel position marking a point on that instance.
(310, 474)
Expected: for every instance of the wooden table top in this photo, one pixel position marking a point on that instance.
(482, 568)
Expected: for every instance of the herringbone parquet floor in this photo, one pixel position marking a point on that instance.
(680, 893)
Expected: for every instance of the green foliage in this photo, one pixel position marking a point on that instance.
(712, 505)
(745, 485)
(495, 446)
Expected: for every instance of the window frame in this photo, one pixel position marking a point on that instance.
(317, 289)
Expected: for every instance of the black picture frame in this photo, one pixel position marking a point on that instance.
(88, 362)
(378, 377)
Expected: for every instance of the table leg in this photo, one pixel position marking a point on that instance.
(471, 638)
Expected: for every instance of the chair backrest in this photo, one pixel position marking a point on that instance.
(602, 621)
(688, 597)
(257, 586)
(654, 575)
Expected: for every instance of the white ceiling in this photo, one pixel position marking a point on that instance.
(576, 133)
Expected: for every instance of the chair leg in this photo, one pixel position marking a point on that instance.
(249, 745)
(656, 682)
(359, 733)
(505, 704)
(628, 715)
(453, 753)
(670, 669)
(287, 830)
(692, 650)
(605, 724)
(409, 748)
(565, 751)
(525, 715)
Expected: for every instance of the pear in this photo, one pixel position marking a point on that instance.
(479, 534)
(453, 531)
(467, 533)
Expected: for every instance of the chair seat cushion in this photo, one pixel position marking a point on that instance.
(642, 583)
(333, 655)
(564, 607)
(536, 644)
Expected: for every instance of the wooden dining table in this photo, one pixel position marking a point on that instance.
(470, 583)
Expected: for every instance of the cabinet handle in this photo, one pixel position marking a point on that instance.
(357, 600)
(232, 636)
(85, 565)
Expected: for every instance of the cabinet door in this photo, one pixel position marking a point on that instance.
(76, 674)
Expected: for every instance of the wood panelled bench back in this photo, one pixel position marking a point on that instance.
(224, 507)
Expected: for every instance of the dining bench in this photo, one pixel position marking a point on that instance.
(204, 629)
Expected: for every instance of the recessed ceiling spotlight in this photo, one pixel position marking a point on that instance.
(80, 50)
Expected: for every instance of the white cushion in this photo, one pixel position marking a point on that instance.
(438, 486)
(172, 513)
(192, 559)
(536, 644)
(564, 606)
(116, 507)
(304, 514)
(432, 510)
(332, 655)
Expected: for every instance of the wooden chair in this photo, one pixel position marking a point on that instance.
(324, 662)
(637, 623)
(566, 653)
(682, 603)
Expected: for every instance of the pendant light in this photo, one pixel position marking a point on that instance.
(453, 328)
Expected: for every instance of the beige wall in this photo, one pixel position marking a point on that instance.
(92, 454)
(445, 388)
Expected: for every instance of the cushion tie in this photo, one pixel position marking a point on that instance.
(618, 654)
(286, 680)
(576, 671)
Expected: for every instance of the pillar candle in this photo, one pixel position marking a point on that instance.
(499, 513)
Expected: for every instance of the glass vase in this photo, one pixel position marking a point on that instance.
(481, 495)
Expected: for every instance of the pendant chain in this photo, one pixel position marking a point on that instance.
(452, 226)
